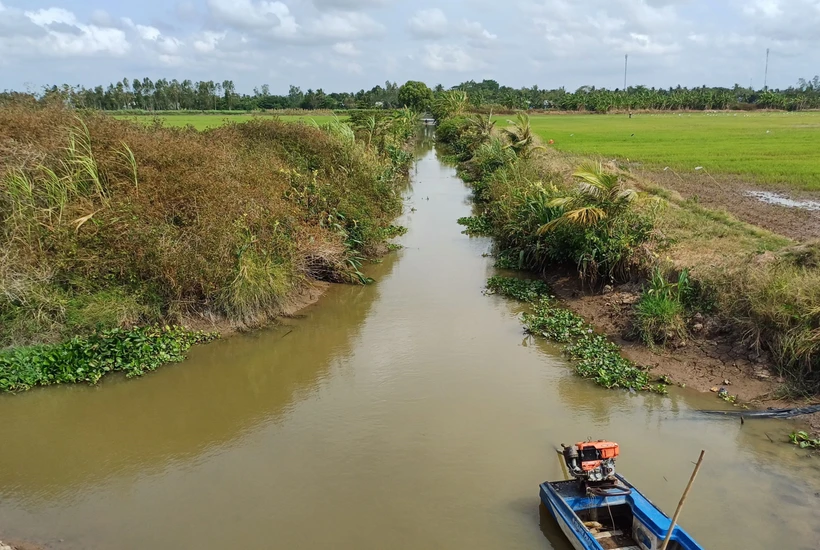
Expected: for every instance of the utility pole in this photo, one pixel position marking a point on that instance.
(766, 74)
(626, 90)
(626, 65)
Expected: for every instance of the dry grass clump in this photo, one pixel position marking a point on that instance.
(777, 304)
(105, 222)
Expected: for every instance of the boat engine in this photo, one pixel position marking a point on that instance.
(591, 461)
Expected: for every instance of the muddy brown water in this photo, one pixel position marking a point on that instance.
(412, 413)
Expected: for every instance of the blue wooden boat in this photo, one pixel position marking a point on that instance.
(600, 510)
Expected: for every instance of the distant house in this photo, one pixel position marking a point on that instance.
(379, 104)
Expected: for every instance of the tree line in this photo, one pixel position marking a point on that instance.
(174, 95)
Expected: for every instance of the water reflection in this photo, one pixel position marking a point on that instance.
(131, 428)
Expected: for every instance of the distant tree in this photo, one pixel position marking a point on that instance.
(416, 95)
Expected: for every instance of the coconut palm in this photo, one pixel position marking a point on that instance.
(450, 104)
(519, 134)
(600, 197)
(480, 128)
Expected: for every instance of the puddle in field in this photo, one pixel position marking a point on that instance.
(782, 200)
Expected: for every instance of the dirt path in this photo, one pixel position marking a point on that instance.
(711, 359)
(731, 193)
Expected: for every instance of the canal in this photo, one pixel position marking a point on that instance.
(409, 414)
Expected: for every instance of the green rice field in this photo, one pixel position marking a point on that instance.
(202, 121)
(779, 148)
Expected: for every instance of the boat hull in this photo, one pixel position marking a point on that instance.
(636, 517)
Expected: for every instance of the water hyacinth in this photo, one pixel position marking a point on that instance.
(597, 358)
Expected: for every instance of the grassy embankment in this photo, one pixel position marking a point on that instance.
(613, 227)
(112, 230)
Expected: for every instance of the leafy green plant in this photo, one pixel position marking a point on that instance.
(519, 135)
(804, 440)
(132, 351)
(660, 312)
(523, 290)
(452, 103)
(599, 227)
(476, 225)
(597, 358)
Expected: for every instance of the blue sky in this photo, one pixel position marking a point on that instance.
(354, 44)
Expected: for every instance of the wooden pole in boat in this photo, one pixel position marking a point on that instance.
(680, 504)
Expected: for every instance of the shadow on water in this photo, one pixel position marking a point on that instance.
(226, 390)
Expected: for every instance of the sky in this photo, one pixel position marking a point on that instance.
(347, 45)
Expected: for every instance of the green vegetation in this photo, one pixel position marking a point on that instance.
(108, 224)
(596, 357)
(804, 440)
(614, 226)
(87, 359)
(476, 225)
(415, 95)
(776, 304)
(163, 94)
(660, 314)
(761, 147)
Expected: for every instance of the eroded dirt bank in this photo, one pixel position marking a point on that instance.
(711, 358)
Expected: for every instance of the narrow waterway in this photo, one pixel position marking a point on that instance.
(412, 413)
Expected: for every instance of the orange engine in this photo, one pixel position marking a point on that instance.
(592, 460)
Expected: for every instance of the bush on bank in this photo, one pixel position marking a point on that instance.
(106, 223)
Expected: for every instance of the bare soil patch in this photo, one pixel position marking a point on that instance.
(706, 361)
(729, 193)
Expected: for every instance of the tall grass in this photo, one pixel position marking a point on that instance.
(128, 224)
(776, 306)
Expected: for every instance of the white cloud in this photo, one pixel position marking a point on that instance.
(348, 4)
(479, 36)
(148, 33)
(430, 23)
(346, 26)
(766, 8)
(60, 35)
(449, 57)
(346, 48)
(208, 41)
(50, 16)
(265, 16)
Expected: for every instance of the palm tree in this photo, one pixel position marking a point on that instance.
(520, 135)
(600, 197)
(450, 104)
(480, 128)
